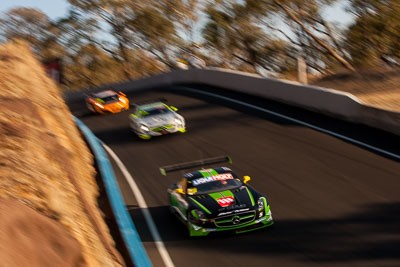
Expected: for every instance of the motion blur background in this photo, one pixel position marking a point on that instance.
(349, 45)
(114, 40)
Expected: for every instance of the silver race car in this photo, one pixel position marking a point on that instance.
(156, 118)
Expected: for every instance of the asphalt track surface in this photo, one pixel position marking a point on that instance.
(334, 203)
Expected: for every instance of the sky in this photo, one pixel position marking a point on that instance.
(53, 8)
(337, 13)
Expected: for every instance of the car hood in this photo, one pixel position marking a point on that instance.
(224, 202)
(113, 104)
(159, 120)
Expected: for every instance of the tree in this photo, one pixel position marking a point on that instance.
(33, 26)
(115, 14)
(306, 16)
(29, 24)
(236, 39)
(148, 25)
(156, 33)
(76, 31)
(141, 37)
(375, 35)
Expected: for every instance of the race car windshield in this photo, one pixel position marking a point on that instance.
(155, 111)
(109, 99)
(209, 185)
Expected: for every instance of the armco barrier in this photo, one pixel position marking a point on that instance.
(124, 222)
(326, 101)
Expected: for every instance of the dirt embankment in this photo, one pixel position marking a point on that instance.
(378, 87)
(48, 207)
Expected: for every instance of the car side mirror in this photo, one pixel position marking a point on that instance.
(121, 93)
(173, 108)
(179, 190)
(246, 179)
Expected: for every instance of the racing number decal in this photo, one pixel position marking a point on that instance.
(225, 201)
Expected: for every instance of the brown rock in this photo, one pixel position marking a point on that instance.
(28, 238)
(44, 163)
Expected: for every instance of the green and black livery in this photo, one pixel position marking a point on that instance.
(216, 199)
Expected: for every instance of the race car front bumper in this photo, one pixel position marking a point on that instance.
(161, 130)
(265, 221)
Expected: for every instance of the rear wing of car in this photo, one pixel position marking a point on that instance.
(192, 164)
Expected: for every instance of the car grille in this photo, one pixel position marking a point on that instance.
(235, 219)
(162, 128)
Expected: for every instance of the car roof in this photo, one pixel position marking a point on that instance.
(158, 104)
(201, 173)
(104, 93)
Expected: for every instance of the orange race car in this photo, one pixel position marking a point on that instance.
(107, 101)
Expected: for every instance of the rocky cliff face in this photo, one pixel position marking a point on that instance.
(46, 166)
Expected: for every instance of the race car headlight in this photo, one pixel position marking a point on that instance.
(202, 215)
(178, 121)
(199, 215)
(99, 105)
(144, 128)
(260, 203)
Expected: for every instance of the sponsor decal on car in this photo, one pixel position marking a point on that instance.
(230, 212)
(207, 170)
(225, 201)
(241, 206)
(219, 177)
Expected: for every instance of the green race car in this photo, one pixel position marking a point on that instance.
(216, 199)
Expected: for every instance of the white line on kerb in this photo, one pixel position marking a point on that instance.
(354, 141)
(144, 208)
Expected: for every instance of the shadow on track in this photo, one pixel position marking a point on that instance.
(235, 106)
(117, 135)
(373, 233)
(197, 124)
(375, 137)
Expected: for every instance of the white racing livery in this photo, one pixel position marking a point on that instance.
(154, 119)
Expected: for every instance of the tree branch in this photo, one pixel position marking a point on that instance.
(329, 49)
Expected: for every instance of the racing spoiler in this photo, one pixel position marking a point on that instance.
(193, 164)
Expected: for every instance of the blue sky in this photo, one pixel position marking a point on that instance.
(53, 8)
(337, 13)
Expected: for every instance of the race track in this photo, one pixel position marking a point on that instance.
(334, 203)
